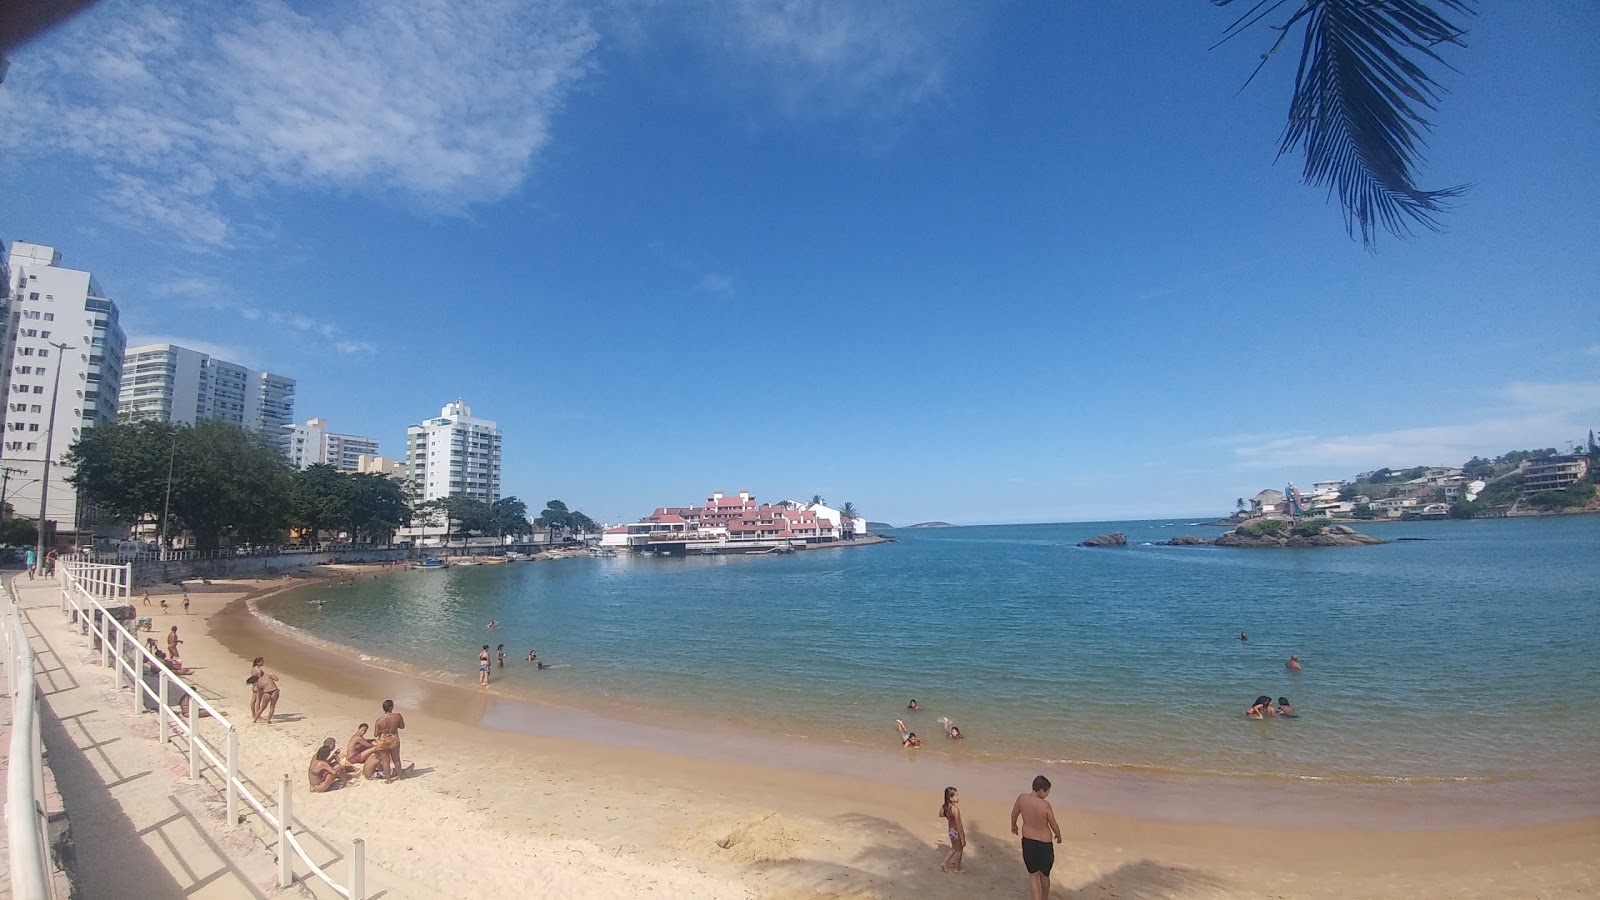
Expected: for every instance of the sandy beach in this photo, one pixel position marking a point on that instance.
(550, 815)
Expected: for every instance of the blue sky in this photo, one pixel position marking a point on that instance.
(973, 262)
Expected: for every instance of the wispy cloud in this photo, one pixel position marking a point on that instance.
(447, 102)
(1520, 415)
(207, 292)
(701, 278)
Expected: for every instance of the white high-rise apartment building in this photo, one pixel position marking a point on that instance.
(313, 444)
(454, 455)
(50, 305)
(168, 383)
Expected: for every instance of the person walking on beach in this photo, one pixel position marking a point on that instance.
(257, 669)
(1038, 825)
(163, 604)
(186, 601)
(147, 598)
(173, 641)
(267, 684)
(483, 665)
(951, 813)
(387, 727)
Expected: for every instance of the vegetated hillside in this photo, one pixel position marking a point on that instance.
(931, 525)
(876, 527)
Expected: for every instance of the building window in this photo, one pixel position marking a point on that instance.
(36, 408)
(38, 389)
(32, 445)
(49, 317)
(29, 332)
(24, 351)
(24, 370)
(44, 334)
(44, 351)
(33, 426)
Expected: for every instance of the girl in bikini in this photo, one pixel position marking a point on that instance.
(951, 813)
(483, 665)
(257, 669)
(322, 772)
(267, 684)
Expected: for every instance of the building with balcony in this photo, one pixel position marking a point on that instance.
(63, 354)
(453, 455)
(168, 383)
(1553, 474)
(313, 444)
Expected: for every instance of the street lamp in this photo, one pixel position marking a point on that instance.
(49, 448)
(5, 477)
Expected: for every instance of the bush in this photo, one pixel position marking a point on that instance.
(1309, 527)
(1265, 528)
(1576, 495)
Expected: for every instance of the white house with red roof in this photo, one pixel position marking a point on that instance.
(727, 519)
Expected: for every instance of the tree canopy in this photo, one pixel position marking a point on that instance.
(557, 517)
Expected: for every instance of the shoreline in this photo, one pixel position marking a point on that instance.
(495, 809)
(1147, 792)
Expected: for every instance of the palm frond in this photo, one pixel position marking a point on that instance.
(1358, 104)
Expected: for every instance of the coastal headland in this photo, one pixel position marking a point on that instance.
(524, 798)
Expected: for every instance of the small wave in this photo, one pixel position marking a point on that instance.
(1336, 778)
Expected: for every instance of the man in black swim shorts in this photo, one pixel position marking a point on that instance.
(1038, 827)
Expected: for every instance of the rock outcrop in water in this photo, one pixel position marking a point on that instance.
(1114, 539)
(1294, 536)
(1186, 540)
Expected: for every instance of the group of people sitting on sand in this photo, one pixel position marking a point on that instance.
(908, 738)
(373, 757)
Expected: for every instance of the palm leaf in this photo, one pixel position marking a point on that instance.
(1359, 97)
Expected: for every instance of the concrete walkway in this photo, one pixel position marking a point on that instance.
(140, 827)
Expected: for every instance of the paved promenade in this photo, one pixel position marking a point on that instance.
(140, 827)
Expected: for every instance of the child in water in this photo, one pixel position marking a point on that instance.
(951, 813)
(1285, 710)
(1260, 709)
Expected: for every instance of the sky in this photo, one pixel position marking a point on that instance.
(968, 262)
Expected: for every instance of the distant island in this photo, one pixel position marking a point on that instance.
(931, 525)
(876, 527)
(1516, 483)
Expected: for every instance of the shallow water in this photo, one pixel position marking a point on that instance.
(1459, 658)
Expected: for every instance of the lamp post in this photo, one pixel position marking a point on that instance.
(166, 505)
(49, 448)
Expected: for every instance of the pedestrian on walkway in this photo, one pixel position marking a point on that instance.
(32, 559)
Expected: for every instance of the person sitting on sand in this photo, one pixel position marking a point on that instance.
(1261, 708)
(324, 775)
(1285, 710)
(951, 813)
(1293, 664)
(913, 705)
(951, 729)
(359, 747)
(907, 738)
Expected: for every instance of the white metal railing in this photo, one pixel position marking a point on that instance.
(26, 821)
(84, 588)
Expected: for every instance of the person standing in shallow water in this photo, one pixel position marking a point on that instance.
(500, 654)
(1293, 664)
(483, 665)
(1038, 826)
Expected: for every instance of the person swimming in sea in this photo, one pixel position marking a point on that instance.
(951, 729)
(1293, 664)
(1260, 709)
(1243, 636)
(907, 738)
(1284, 710)
(913, 705)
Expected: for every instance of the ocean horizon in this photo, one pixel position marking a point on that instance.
(1456, 658)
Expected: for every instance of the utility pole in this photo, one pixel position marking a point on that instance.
(166, 505)
(5, 476)
(49, 448)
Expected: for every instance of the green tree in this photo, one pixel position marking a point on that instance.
(377, 507)
(320, 498)
(1238, 504)
(1359, 100)
(19, 532)
(508, 516)
(224, 480)
(816, 500)
(849, 511)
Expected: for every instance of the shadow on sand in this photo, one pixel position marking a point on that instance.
(897, 863)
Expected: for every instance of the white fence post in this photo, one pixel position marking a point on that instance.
(358, 869)
(233, 776)
(194, 740)
(161, 707)
(285, 818)
(119, 659)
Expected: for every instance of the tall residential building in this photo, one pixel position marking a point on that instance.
(168, 383)
(313, 444)
(454, 455)
(7, 328)
(52, 305)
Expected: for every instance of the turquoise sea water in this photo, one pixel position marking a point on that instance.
(1468, 656)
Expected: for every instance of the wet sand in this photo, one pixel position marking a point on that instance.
(513, 795)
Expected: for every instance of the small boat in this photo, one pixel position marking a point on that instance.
(431, 563)
(707, 551)
(469, 561)
(603, 552)
(516, 556)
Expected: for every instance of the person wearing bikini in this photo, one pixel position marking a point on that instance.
(483, 665)
(324, 775)
(951, 813)
(1038, 826)
(387, 727)
(267, 684)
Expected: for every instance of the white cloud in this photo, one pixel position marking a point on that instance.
(829, 60)
(206, 292)
(1520, 416)
(446, 102)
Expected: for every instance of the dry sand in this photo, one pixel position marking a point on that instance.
(499, 813)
